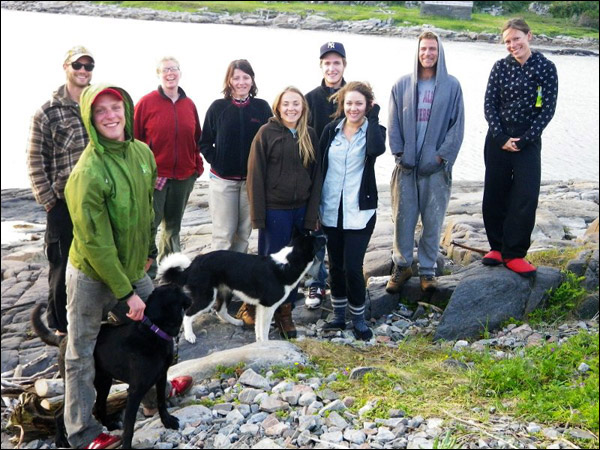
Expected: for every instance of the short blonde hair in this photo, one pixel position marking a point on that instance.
(165, 59)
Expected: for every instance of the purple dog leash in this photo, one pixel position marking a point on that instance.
(156, 330)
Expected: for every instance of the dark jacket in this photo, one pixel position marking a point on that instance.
(228, 132)
(321, 109)
(277, 179)
(512, 108)
(375, 147)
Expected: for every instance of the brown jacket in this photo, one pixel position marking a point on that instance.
(277, 178)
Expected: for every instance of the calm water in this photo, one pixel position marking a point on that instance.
(126, 51)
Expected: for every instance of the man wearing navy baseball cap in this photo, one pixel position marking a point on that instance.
(333, 63)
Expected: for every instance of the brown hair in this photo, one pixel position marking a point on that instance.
(428, 35)
(516, 24)
(354, 86)
(244, 66)
(307, 151)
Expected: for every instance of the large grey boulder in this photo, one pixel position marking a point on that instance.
(257, 356)
(486, 297)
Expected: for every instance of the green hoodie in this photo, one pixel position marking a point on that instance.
(109, 195)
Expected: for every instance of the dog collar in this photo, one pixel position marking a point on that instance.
(156, 330)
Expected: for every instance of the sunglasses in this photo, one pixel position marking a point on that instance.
(77, 65)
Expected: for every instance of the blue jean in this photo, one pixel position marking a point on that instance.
(277, 233)
(317, 275)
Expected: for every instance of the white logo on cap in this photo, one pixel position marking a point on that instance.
(331, 45)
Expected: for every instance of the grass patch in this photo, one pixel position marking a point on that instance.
(412, 377)
(230, 371)
(556, 257)
(540, 384)
(400, 15)
(561, 302)
(543, 384)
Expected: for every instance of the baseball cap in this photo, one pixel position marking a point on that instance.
(110, 91)
(336, 47)
(77, 52)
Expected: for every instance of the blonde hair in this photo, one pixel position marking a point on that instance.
(307, 151)
(165, 59)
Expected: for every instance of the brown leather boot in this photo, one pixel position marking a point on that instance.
(283, 321)
(247, 314)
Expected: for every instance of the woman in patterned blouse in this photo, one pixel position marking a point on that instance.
(519, 102)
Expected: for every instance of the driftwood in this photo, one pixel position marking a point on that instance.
(32, 420)
(49, 388)
(473, 249)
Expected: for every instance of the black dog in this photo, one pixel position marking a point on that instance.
(264, 281)
(133, 353)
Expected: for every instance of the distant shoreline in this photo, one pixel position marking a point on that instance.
(314, 22)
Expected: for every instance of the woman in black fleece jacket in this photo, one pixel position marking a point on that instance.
(229, 127)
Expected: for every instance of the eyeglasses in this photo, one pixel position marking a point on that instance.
(77, 65)
(170, 69)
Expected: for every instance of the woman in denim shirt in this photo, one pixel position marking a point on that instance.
(350, 146)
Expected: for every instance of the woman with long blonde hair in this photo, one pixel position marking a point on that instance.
(284, 183)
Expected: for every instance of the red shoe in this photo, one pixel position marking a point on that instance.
(493, 258)
(180, 385)
(520, 266)
(104, 440)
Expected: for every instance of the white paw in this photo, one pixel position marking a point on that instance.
(190, 336)
(237, 322)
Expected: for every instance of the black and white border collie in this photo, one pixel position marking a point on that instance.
(263, 281)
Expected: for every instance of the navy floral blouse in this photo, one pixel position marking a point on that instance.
(521, 98)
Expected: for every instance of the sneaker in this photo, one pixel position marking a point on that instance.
(105, 440)
(400, 275)
(180, 386)
(521, 266)
(492, 258)
(428, 283)
(315, 297)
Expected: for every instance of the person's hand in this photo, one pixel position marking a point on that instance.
(136, 308)
(511, 145)
(439, 159)
(148, 264)
(374, 112)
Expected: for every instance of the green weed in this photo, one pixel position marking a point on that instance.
(561, 301)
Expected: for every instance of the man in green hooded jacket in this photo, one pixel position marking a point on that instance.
(109, 195)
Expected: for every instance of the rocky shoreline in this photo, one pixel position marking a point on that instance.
(267, 18)
(266, 411)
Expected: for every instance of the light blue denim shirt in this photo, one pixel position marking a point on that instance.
(344, 174)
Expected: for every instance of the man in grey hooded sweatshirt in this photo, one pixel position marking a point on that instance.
(426, 128)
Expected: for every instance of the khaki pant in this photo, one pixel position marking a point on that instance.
(228, 202)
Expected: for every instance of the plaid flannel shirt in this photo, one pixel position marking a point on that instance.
(56, 140)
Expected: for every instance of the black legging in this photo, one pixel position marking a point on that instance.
(510, 196)
(346, 250)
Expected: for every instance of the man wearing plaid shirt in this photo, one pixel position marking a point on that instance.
(57, 139)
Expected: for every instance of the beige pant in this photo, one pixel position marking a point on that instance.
(228, 202)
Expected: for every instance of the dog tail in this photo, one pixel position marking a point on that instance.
(41, 329)
(172, 269)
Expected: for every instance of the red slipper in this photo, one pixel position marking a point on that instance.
(520, 266)
(493, 258)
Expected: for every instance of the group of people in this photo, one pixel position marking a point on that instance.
(109, 173)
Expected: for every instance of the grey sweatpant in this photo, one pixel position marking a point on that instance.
(88, 303)
(414, 195)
